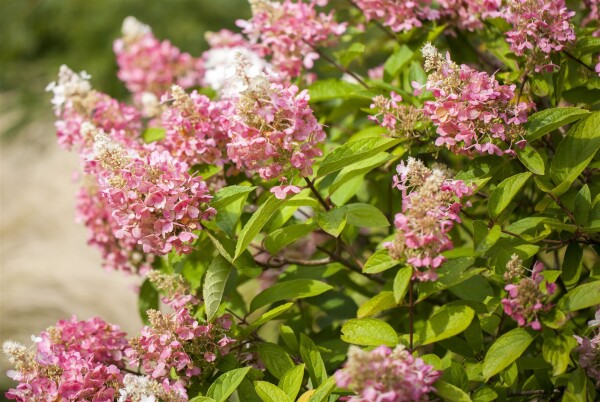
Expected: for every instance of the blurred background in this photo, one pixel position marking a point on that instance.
(47, 271)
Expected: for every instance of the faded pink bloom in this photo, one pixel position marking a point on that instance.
(430, 206)
(386, 375)
(154, 199)
(540, 27)
(195, 128)
(289, 33)
(178, 342)
(147, 65)
(527, 298)
(473, 113)
(400, 120)
(273, 131)
(398, 15)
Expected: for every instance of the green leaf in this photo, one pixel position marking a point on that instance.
(572, 265)
(276, 359)
(226, 384)
(401, 283)
(588, 44)
(583, 296)
(451, 273)
(291, 382)
(576, 150)
(287, 334)
(474, 335)
(381, 301)
(230, 194)
(397, 60)
(153, 134)
(447, 322)
(365, 216)
(270, 393)
(545, 121)
(201, 399)
(256, 223)
(354, 151)
(333, 221)
(489, 240)
(450, 393)
(357, 169)
(505, 192)
(269, 315)
(583, 202)
(369, 332)
(346, 56)
(147, 300)
(323, 90)
(214, 285)
(533, 161)
(505, 350)
(557, 350)
(485, 394)
(379, 261)
(280, 238)
(312, 358)
(323, 391)
(293, 289)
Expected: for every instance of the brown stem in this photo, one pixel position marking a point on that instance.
(312, 187)
(563, 207)
(337, 258)
(569, 55)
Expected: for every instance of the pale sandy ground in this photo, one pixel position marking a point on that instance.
(47, 271)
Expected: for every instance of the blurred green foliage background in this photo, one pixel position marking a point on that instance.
(37, 36)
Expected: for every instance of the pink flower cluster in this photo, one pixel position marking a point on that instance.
(290, 32)
(194, 126)
(73, 361)
(75, 102)
(527, 298)
(589, 351)
(386, 375)
(149, 65)
(472, 111)
(539, 27)
(400, 120)
(273, 131)
(430, 207)
(401, 16)
(154, 199)
(178, 342)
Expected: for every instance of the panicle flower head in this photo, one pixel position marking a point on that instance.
(430, 206)
(386, 375)
(514, 269)
(589, 351)
(289, 32)
(149, 65)
(140, 388)
(76, 360)
(154, 200)
(177, 290)
(400, 120)
(273, 131)
(473, 113)
(528, 297)
(75, 102)
(194, 125)
(467, 14)
(539, 27)
(178, 342)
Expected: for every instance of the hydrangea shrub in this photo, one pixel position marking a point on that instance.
(366, 200)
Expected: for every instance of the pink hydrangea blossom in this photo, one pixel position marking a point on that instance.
(528, 298)
(178, 342)
(273, 131)
(473, 113)
(75, 101)
(72, 361)
(399, 16)
(467, 14)
(149, 65)
(430, 207)
(593, 15)
(154, 199)
(386, 375)
(289, 32)
(195, 128)
(589, 351)
(400, 120)
(539, 27)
